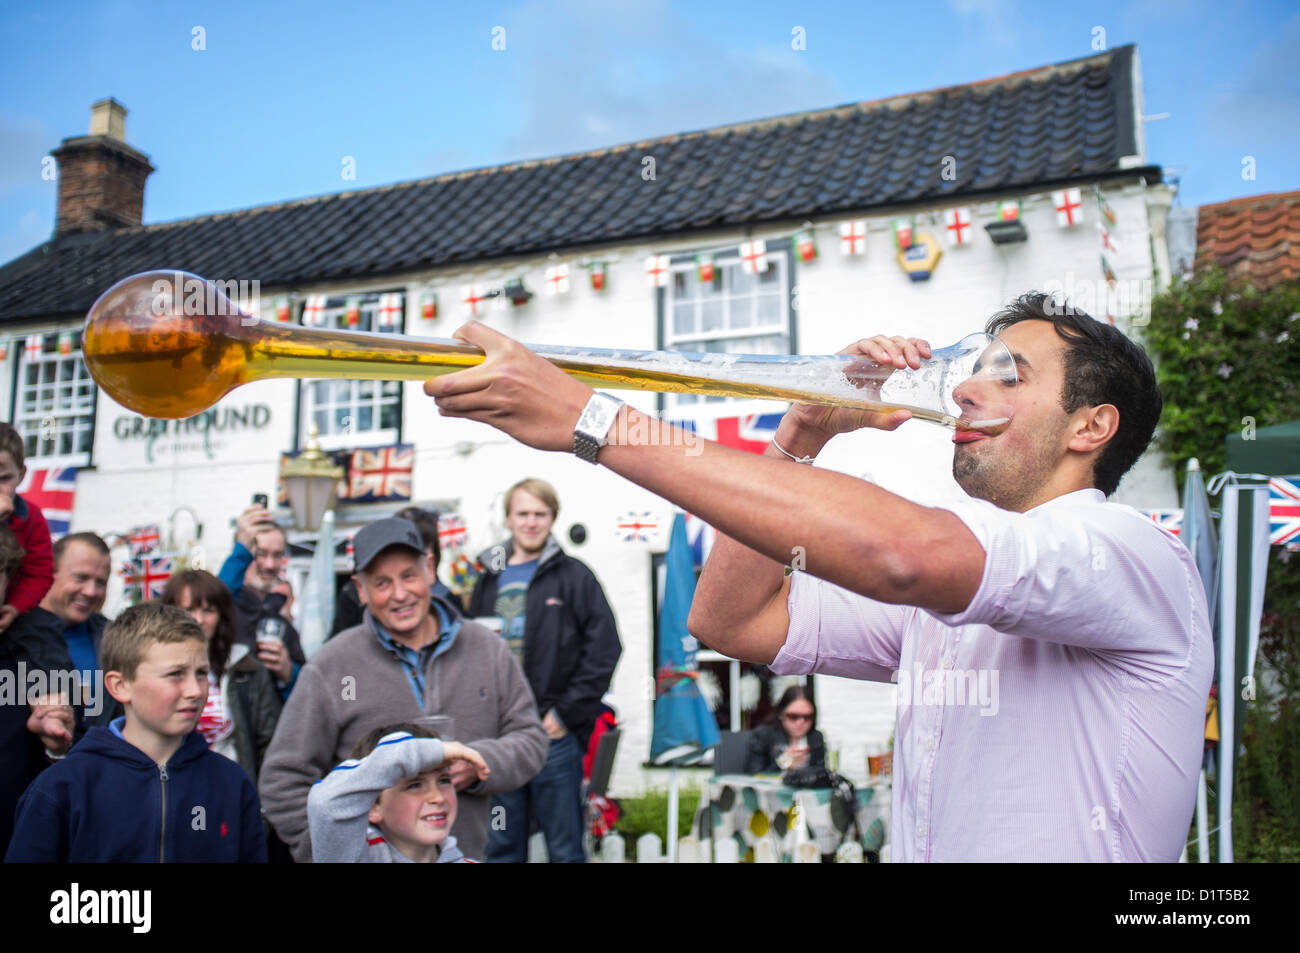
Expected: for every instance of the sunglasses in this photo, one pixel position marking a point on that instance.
(792, 717)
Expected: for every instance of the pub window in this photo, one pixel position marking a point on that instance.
(735, 313)
(55, 402)
(352, 413)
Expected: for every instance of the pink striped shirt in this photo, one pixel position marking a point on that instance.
(1061, 716)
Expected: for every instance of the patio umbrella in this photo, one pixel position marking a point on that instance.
(1243, 567)
(316, 605)
(1199, 537)
(684, 728)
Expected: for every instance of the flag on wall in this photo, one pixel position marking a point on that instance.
(147, 575)
(753, 256)
(452, 532)
(705, 269)
(390, 310)
(903, 233)
(1069, 207)
(752, 433)
(656, 270)
(853, 237)
(598, 272)
(805, 246)
(957, 223)
(383, 473)
(428, 305)
(313, 312)
(1284, 511)
(53, 491)
(557, 279)
(1171, 521)
(144, 539)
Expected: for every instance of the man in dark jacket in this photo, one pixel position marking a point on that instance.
(557, 621)
(81, 569)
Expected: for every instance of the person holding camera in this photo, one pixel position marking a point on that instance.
(251, 572)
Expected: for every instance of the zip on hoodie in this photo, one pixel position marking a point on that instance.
(162, 837)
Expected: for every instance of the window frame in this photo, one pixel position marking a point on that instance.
(668, 341)
(306, 405)
(20, 388)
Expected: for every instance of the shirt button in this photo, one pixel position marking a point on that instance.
(930, 743)
(947, 661)
(920, 830)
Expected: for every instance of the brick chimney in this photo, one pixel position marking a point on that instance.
(101, 178)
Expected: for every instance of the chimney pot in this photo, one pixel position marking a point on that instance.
(108, 118)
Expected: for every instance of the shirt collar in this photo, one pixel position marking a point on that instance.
(1089, 494)
(447, 629)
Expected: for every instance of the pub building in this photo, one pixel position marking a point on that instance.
(919, 214)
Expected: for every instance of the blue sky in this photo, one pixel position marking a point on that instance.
(284, 91)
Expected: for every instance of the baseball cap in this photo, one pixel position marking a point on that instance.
(373, 539)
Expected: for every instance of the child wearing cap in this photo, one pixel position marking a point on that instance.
(393, 801)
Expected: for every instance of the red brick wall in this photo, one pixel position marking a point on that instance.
(99, 187)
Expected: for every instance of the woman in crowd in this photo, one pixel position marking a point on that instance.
(789, 739)
(243, 705)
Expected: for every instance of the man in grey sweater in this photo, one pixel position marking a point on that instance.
(412, 656)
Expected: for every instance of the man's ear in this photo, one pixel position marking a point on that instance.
(118, 686)
(1095, 428)
(361, 589)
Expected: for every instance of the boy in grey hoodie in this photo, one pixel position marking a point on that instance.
(393, 801)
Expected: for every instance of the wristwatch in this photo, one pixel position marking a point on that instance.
(592, 430)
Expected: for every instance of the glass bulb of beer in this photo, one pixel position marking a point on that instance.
(170, 344)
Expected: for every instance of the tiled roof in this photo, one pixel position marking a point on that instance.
(1032, 130)
(1257, 237)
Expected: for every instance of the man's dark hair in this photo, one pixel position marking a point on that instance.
(426, 522)
(1102, 366)
(90, 539)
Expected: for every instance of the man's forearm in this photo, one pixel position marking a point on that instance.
(849, 532)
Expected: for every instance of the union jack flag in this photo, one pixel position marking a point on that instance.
(451, 532)
(382, 474)
(1284, 511)
(53, 491)
(1169, 520)
(637, 527)
(144, 539)
(752, 432)
(148, 575)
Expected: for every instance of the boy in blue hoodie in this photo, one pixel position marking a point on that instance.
(146, 789)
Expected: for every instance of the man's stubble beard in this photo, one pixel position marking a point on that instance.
(1003, 481)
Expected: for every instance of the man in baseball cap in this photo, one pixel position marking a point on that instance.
(411, 656)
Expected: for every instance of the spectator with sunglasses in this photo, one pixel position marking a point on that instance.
(789, 739)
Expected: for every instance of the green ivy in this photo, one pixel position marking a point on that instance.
(1227, 356)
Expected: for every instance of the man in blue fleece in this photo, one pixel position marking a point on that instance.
(145, 789)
